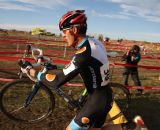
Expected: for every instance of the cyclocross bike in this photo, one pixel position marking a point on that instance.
(30, 101)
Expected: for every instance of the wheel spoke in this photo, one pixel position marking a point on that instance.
(18, 109)
(12, 99)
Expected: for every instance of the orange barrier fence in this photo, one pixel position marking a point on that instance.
(55, 61)
(139, 66)
(11, 58)
(58, 52)
(81, 85)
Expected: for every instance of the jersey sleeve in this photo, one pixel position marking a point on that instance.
(68, 73)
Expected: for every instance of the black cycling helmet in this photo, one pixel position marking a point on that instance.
(71, 18)
(135, 47)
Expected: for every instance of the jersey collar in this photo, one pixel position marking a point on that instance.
(82, 42)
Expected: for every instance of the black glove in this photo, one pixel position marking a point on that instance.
(25, 65)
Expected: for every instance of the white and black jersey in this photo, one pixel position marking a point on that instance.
(90, 61)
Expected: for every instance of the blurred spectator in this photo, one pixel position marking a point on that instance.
(107, 39)
(132, 57)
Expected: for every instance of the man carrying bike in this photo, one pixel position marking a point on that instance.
(91, 62)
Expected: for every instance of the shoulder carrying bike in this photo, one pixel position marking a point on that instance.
(28, 101)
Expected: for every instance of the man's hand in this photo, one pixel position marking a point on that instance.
(132, 58)
(124, 56)
(25, 66)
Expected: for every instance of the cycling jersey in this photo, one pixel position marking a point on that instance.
(90, 61)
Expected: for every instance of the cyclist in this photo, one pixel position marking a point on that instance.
(132, 58)
(90, 61)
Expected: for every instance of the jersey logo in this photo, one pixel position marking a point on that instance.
(105, 74)
(50, 77)
(81, 50)
(69, 68)
(85, 120)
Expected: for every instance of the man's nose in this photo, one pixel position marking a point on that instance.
(63, 37)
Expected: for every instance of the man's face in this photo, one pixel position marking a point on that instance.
(69, 36)
(135, 51)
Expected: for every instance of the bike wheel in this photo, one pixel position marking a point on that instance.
(122, 98)
(12, 100)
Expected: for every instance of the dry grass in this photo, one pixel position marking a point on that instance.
(147, 105)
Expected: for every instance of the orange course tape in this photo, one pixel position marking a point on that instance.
(81, 85)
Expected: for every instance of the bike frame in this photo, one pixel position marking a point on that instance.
(72, 104)
(38, 84)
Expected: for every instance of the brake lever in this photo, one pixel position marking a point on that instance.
(20, 74)
(28, 48)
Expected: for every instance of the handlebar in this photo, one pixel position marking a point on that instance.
(39, 58)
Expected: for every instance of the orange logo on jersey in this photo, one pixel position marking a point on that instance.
(85, 120)
(81, 50)
(50, 77)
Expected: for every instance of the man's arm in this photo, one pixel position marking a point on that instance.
(125, 55)
(135, 59)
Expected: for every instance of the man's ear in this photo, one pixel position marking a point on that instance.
(75, 30)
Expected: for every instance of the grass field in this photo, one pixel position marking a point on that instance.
(147, 105)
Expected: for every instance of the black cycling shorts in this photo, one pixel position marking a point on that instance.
(96, 108)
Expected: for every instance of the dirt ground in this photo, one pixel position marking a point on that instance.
(57, 121)
(147, 105)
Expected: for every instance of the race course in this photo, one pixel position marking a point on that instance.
(146, 105)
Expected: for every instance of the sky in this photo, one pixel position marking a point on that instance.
(127, 19)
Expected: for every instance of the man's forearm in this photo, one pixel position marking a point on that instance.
(32, 72)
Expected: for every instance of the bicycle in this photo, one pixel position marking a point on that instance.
(30, 101)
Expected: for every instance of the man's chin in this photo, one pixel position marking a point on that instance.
(74, 44)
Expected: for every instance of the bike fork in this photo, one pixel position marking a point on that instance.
(32, 94)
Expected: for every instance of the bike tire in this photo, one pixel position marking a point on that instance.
(122, 97)
(12, 98)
